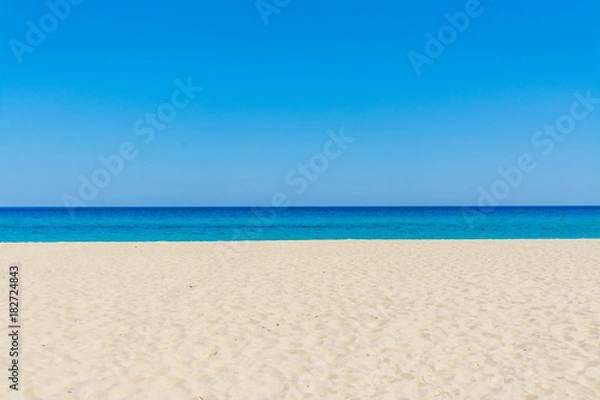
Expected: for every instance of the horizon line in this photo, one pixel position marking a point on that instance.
(313, 206)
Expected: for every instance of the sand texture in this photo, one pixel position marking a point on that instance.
(476, 319)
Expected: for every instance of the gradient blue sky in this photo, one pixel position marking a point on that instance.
(271, 93)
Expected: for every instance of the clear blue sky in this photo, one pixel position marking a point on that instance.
(271, 92)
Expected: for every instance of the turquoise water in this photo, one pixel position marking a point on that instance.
(211, 224)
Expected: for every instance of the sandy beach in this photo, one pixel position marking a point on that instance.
(472, 319)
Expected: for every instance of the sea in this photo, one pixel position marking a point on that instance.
(117, 224)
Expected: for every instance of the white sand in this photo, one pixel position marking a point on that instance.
(321, 319)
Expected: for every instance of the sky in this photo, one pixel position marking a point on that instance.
(301, 102)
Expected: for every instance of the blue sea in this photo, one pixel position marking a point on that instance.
(240, 223)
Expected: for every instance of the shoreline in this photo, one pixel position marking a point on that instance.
(305, 240)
